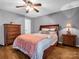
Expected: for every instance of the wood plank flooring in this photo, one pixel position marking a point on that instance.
(58, 52)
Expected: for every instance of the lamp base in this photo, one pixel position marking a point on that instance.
(68, 32)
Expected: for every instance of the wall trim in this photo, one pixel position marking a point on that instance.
(77, 45)
(60, 42)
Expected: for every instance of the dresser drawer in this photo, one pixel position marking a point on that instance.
(13, 33)
(11, 37)
(69, 42)
(11, 25)
(9, 41)
(12, 29)
(69, 38)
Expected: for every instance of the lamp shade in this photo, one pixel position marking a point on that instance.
(68, 25)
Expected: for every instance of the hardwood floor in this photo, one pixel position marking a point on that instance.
(10, 53)
(59, 52)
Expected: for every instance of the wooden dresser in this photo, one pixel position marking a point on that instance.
(69, 39)
(11, 31)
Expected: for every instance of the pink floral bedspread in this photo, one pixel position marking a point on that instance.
(28, 42)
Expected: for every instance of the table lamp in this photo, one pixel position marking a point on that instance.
(68, 26)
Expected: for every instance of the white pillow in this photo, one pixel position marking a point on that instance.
(45, 29)
(44, 32)
(52, 29)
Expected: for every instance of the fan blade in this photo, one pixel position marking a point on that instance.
(38, 4)
(27, 11)
(29, 2)
(19, 6)
(36, 9)
(24, 1)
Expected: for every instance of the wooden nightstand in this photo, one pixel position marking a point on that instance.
(69, 39)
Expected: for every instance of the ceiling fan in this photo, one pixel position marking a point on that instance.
(30, 6)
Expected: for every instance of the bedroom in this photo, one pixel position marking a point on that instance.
(31, 24)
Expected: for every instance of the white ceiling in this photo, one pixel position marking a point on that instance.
(48, 6)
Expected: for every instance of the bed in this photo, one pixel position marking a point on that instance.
(35, 44)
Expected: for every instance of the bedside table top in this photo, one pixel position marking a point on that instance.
(69, 35)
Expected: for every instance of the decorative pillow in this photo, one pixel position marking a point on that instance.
(44, 32)
(52, 29)
(48, 30)
(45, 29)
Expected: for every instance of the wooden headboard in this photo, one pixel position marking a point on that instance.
(51, 26)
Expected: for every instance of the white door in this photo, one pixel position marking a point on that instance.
(27, 26)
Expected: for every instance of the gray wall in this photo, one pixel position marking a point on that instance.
(60, 18)
(7, 17)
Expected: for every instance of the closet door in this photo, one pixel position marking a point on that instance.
(27, 26)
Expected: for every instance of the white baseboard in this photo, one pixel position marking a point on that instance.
(77, 45)
(60, 42)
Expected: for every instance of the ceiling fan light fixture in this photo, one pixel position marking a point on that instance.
(29, 6)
